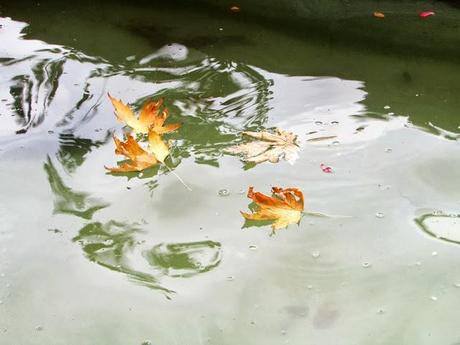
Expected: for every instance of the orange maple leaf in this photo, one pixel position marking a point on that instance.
(150, 117)
(139, 158)
(283, 208)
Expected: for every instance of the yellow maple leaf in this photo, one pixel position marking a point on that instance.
(150, 117)
(283, 208)
(157, 146)
(139, 158)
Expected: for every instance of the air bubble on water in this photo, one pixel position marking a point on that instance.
(220, 29)
(379, 215)
(50, 132)
(39, 328)
(391, 114)
(283, 332)
(388, 150)
(131, 58)
(457, 285)
(309, 287)
(366, 264)
(434, 253)
(386, 107)
(230, 278)
(318, 123)
(434, 298)
(223, 192)
(380, 311)
(315, 254)
(140, 174)
(335, 143)
(253, 247)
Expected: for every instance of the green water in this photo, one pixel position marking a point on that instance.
(88, 258)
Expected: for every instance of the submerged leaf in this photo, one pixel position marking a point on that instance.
(150, 117)
(269, 147)
(283, 208)
(425, 14)
(325, 168)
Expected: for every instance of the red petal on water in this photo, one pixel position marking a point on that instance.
(425, 14)
(325, 168)
(235, 8)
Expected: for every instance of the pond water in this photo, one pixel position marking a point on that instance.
(88, 257)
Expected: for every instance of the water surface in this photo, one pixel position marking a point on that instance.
(92, 258)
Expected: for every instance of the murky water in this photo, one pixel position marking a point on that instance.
(92, 258)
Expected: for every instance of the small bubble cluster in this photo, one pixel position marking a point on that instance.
(223, 192)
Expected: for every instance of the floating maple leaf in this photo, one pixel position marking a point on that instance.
(269, 147)
(283, 208)
(150, 117)
(140, 159)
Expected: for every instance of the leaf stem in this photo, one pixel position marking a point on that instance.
(317, 214)
(178, 177)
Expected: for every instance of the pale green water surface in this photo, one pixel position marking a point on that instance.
(88, 258)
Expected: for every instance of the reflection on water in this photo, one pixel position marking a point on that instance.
(439, 225)
(184, 259)
(341, 104)
(214, 99)
(33, 93)
(73, 150)
(67, 201)
(114, 245)
(110, 245)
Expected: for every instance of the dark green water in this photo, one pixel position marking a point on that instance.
(89, 258)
